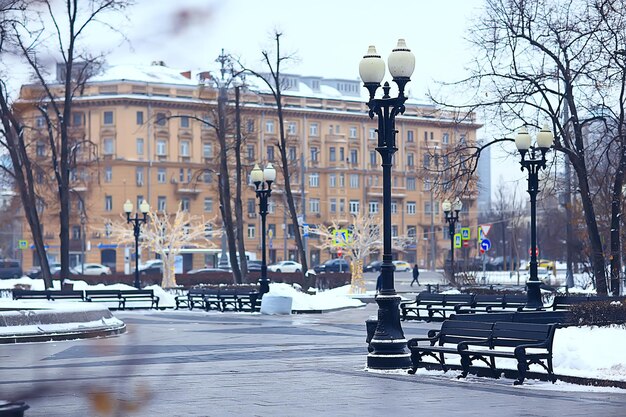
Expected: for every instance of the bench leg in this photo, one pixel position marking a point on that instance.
(466, 362)
(522, 367)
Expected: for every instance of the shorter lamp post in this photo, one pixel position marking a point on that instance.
(533, 159)
(451, 212)
(263, 179)
(137, 221)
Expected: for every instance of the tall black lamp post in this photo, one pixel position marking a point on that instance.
(533, 159)
(388, 343)
(451, 213)
(263, 179)
(137, 221)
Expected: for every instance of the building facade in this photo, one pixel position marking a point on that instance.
(150, 134)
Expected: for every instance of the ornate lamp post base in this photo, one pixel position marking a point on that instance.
(388, 343)
(534, 295)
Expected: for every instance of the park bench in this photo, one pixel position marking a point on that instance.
(48, 295)
(212, 299)
(495, 302)
(121, 297)
(429, 306)
(562, 317)
(445, 341)
(238, 300)
(506, 336)
(193, 297)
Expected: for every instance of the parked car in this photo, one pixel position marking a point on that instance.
(91, 269)
(10, 268)
(254, 265)
(402, 266)
(373, 266)
(154, 269)
(201, 270)
(35, 271)
(285, 266)
(333, 265)
(150, 263)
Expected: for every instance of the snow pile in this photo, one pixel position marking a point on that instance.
(327, 300)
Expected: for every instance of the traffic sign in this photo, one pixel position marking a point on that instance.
(22, 244)
(305, 230)
(530, 251)
(485, 245)
(485, 228)
(465, 233)
(457, 240)
(466, 243)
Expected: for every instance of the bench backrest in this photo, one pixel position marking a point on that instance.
(515, 334)
(485, 317)
(427, 297)
(136, 292)
(458, 298)
(488, 299)
(515, 299)
(455, 331)
(30, 293)
(67, 294)
(102, 292)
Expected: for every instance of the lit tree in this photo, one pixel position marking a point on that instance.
(167, 235)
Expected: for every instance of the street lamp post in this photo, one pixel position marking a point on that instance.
(451, 213)
(533, 159)
(388, 343)
(263, 179)
(137, 221)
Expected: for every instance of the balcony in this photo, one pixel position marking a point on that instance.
(335, 138)
(185, 187)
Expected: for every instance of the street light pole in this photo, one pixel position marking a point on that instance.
(388, 343)
(451, 213)
(137, 221)
(533, 162)
(263, 180)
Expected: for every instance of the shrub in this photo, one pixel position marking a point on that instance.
(599, 313)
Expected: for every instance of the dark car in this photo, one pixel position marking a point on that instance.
(152, 270)
(254, 265)
(10, 268)
(373, 266)
(333, 265)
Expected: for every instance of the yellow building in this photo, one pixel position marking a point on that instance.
(149, 142)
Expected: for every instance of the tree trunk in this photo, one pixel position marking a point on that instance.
(238, 185)
(169, 277)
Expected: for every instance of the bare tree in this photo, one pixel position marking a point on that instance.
(537, 57)
(275, 84)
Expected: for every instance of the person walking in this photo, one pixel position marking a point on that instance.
(416, 275)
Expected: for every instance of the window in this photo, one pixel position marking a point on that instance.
(332, 180)
(354, 156)
(108, 229)
(185, 150)
(208, 204)
(394, 207)
(373, 207)
(184, 203)
(445, 139)
(425, 136)
(409, 136)
(341, 154)
(352, 132)
(314, 205)
(332, 154)
(291, 128)
(251, 231)
(207, 177)
(426, 161)
(108, 174)
(373, 158)
(432, 135)
(161, 119)
(410, 184)
(107, 118)
(314, 180)
(394, 230)
(207, 150)
(354, 180)
(250, 125)
(410, 159)
(139, 201)
(139, 117)
(342, 180)
(40, 149)
(181, 175)
(333, 205)
(184, 122)
(251, 206)
(75, 232)
(342, 205)
(77, 119)
(40, 121)
(313, 129)
(292, 153)
(270, 153)
(108, 203)
(372, 133)
(189, 176)
(161, 175)
(354, 206)
(410, 207)
(139, 146)
(314, 154)
(462, 139)
(161, 147)
(271, 206)
(108, 146)
(161, 203)
(437, 207)
(250, 152)
(427, 207)
(269, 126)
(139, 176)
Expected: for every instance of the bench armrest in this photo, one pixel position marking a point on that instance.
(432, 339)
(522, 348)
(458, 307)
(464, 345)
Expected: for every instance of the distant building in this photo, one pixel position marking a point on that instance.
(140, 152)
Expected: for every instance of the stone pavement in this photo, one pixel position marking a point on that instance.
(175, 363)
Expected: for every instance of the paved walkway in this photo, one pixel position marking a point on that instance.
(233, 364)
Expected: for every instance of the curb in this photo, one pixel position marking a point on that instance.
(72, 335)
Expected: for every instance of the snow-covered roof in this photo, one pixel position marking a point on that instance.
(144, 73)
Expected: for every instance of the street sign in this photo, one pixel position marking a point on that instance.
(485, 228)
(485, 245)
(342, 237)
(457, 240)
(22, 244)
(530, 251)
(305, 230)
(466, 243)
(465, 233)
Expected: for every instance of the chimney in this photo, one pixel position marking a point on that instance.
(186, 74)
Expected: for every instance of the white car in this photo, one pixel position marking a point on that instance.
(285, 266)
(151, 263)
(92, 269)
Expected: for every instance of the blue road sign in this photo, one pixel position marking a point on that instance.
(485, 244)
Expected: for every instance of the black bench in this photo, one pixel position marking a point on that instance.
(446, 340)
(238, 300)
(561, 317)
(519, 337)
(194, 296)
(121, 297)
(427, 305)
(48, 295)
